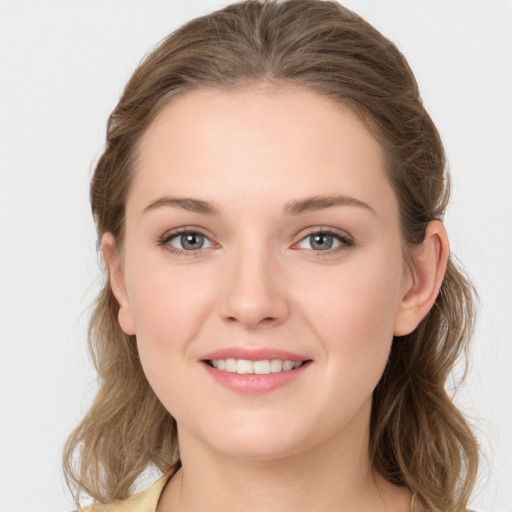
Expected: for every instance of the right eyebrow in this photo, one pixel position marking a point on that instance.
(185, 203)
(314, 203)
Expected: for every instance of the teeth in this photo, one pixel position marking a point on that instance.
(276, 365)
(261, 367)
(264, 367)
(244, 366)
(231, 365)
(287, 365)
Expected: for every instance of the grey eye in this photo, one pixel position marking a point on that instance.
(190, 241)
(321, 241)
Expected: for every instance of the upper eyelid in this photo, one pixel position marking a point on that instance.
(183, 230)
(327, 231)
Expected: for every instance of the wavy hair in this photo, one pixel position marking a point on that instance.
(418, 438)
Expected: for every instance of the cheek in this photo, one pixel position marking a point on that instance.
(169, 306)
(169, 310)
(353, 313)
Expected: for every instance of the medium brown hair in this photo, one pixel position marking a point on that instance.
(418, 437)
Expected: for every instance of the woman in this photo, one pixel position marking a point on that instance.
(281, 311)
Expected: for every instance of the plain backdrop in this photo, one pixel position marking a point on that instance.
(62, 67)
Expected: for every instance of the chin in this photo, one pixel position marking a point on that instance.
(263, 451)
(260, 441)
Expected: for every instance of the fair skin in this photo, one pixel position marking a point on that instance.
(253, 276)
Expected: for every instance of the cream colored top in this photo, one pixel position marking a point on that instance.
(145, 501)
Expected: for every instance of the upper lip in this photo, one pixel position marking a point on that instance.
(253, 354)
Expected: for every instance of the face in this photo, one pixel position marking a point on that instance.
(262, 269)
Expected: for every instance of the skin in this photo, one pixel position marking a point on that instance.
(259, 282)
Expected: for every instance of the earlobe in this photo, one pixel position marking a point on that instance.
(117, 282)
(430, 260)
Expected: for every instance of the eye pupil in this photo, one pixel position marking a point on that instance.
(321, 241)
(192, 241)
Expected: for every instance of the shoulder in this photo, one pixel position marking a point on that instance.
(145, 501)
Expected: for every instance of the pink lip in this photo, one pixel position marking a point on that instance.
(254, 354)
(255, 384)
(250, 383)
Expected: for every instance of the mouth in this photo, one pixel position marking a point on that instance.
(259, 367)
(255, 371)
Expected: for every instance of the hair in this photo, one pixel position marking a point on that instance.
(418, 438)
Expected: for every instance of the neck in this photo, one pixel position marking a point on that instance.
(335, 475)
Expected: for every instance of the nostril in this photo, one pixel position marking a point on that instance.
(246, 320)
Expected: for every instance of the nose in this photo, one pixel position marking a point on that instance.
(254, 290)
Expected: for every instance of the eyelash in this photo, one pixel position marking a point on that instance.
(166, 239)
(345, 240)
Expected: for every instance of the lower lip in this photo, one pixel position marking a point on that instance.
(255, 384)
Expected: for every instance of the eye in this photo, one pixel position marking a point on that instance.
(186, 241)
(321, 241)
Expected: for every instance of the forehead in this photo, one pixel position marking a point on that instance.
(271, 143)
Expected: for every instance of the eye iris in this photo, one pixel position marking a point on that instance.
(321, 241)
(192, 241)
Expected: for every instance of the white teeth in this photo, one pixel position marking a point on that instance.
(276, 365)
(230, 365)
(244, 366)
(263, 367)
(287, 365)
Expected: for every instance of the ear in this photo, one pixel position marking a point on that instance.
(430, 260)
(117, 282)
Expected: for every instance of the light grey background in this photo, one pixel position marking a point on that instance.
(62, 66)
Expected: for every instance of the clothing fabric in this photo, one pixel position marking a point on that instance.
(145, 501)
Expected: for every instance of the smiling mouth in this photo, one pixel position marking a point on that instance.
(247, 367)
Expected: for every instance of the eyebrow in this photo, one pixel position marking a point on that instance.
(309, 204)
(185, 203)
(295, 207)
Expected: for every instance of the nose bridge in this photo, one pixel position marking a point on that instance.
(254, 286)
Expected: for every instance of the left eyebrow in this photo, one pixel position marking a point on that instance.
(185, 203)
(314, 203)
